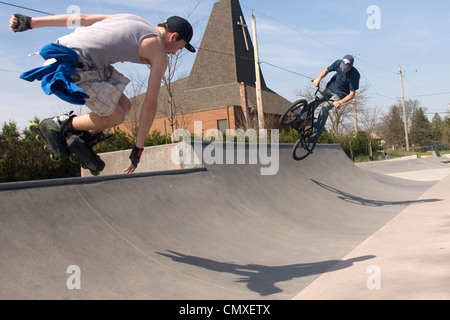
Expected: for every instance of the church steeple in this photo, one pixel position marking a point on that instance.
(226, 52)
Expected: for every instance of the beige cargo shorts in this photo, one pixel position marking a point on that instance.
(104, 88)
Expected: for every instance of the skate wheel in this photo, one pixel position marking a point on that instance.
(33, 126)
(74, 159)
(95, 173)
(38, 138)
(54, 158)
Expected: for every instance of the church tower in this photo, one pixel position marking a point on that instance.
(226, 52)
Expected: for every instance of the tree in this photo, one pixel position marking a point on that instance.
(155, 138)
(356, 145)
(392, 128)
(22, 157)
(119, 140)
(9, 152)
(437, 127)
(369, 120)
(173, 107)
(410, 106)
(136, 91)
(346, 118)
(420, 128)
(446, 134)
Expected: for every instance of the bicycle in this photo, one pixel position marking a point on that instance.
(300, 116)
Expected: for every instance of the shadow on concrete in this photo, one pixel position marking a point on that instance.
(260, 278)
(235, 233)
(345, 196)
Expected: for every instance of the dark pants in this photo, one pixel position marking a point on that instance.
(324, 104)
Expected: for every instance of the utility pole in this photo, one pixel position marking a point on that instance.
(405, 120)
(258, 77)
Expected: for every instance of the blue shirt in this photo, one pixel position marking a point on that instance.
(56, 78)
(343, 82)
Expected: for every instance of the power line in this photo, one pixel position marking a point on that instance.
(330, 46)
(324, 43)
(335, 48)
(430, 94)
(6, 70)
(438, 112)
(270, 64)
(287, 70)
(302, 33)
(371, 85)
(25, 8)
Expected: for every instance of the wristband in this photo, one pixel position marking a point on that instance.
(135, 155)
(23, 23)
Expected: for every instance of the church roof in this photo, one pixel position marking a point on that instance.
(224, 60)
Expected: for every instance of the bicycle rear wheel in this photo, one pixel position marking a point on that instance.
(291, 115)
(303, 148)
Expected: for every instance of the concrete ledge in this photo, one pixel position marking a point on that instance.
(155, 158)
(414, 156)
(9, 186)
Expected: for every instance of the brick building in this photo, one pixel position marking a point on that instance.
(220, 90)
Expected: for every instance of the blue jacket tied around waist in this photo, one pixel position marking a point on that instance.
(56, 78)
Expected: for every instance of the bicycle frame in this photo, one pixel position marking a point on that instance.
(305, 128)
(300, 116)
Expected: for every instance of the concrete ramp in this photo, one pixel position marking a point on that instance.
(219, 232)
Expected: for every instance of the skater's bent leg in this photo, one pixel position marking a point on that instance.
(95, 123)
(118, 116)
(125, 103)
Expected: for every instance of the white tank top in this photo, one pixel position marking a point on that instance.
(114, 39)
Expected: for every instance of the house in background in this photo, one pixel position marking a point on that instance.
(220, 91)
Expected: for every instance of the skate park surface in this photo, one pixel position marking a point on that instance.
(320, 228)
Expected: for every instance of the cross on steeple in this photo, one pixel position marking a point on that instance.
(244, 26)
(225, 61)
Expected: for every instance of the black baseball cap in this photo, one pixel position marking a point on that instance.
(183, 28)
(347, 62)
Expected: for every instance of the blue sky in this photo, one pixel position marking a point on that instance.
(295, 38)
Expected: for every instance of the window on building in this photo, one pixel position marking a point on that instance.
(222, 125)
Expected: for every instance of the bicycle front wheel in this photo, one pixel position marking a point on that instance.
(291, 115)
(303, 148)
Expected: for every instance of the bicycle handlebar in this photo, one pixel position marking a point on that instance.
(318, 90)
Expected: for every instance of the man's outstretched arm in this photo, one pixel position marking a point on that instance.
(19, 22)
(322, 75)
